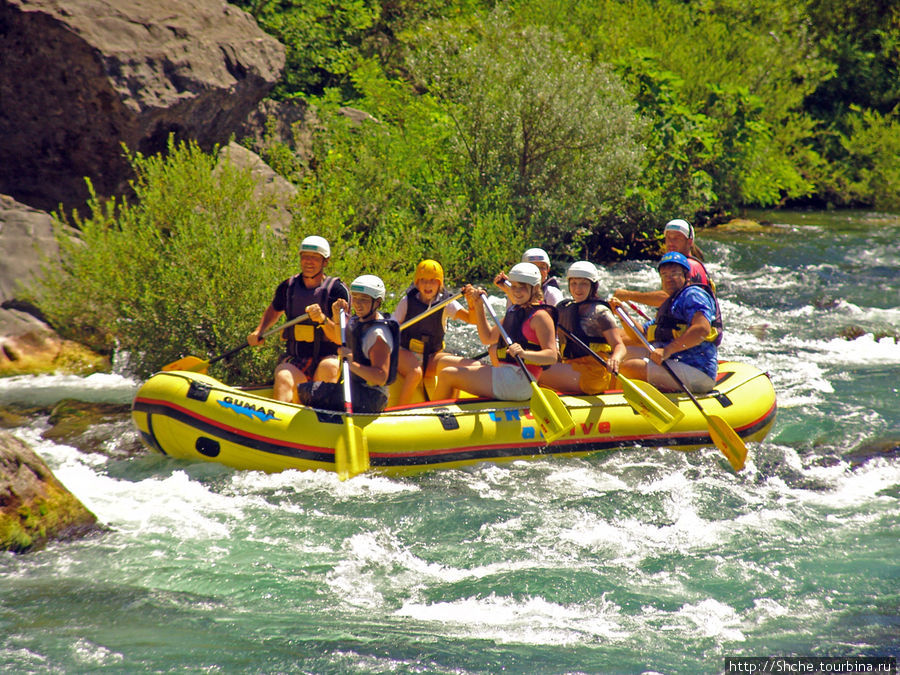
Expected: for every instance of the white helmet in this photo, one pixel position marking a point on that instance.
(535, 255)
(368, 284)
(315, 244)
(525, 273)
(583, 269)
(679, 225)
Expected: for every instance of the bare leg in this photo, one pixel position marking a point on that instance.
(287, 377)
(635, 369)
(328, 370)
(476, 379)
(410, 369)
(561, 377)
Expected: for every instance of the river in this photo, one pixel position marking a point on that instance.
(633, 561)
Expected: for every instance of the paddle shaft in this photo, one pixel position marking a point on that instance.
(431, 310)
(348, 401)
(638, 310)
(578, 341)
(627, 319)
(490, 310)
(266, 334)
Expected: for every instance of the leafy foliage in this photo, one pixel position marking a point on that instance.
(187, 269)
(533, 121)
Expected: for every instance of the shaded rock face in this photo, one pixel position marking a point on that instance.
(34, 506)
(80, 77)
(271, 188)
(27, 343)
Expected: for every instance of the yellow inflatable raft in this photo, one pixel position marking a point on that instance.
(195, 417)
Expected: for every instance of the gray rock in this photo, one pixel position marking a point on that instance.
(26, 239)
(271, 189)
(78, 78)
(34, 506)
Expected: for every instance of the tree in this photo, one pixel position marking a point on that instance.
(539, 126)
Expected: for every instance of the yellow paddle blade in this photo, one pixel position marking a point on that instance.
(727, 440)
(359, 453)
(550, 412)
(351, 454)
(343, 450)
(651, 403)
(191, 363)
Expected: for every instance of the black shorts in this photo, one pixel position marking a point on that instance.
(305, 364)
(330, 396)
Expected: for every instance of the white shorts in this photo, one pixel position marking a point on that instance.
(695, 380)
(510, 383)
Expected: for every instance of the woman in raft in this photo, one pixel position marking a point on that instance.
(590, 319)
(422, 344)
(530, 326)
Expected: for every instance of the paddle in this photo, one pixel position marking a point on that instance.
(725, 438)
(431, 310)
(351, 456)
(546, 407)
(646, 399)
(196, 365)
(638, 310)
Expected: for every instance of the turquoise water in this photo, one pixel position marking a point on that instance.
(628, 562)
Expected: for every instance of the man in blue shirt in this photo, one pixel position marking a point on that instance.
(685, 333)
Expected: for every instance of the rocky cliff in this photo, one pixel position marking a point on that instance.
(78, 78)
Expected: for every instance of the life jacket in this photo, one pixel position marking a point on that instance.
(306, 339)
(570, 317)
(514, 325)
(702, 278)
(551, 281)
(667, 327)
(426, 336)
(356, 331)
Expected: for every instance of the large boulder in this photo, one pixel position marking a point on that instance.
(34, 506)
(27, 343)
(271, 189)
(78, 78)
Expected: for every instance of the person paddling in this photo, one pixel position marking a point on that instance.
(371, 351)
(307, 355)
(530, 324)
(422, 344)
(590, 319)
(679, 238)
(684, 333)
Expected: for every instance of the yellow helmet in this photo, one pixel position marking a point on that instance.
(429, 269)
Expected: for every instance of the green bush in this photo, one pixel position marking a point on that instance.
(721, 84)
(187, 269)
(532, 121)
(868, 171)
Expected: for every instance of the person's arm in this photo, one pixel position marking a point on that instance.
(547, 355)
(461, 313)
(269, 317)
(649, 298)
(331, 326)
(380, 356)
(487, 333)
(693, 336)
(615, 339)
(400, 310)
(501, 281)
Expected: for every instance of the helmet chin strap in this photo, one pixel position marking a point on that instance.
(376, 303)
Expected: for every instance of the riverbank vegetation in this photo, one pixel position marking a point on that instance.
(491, 127)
